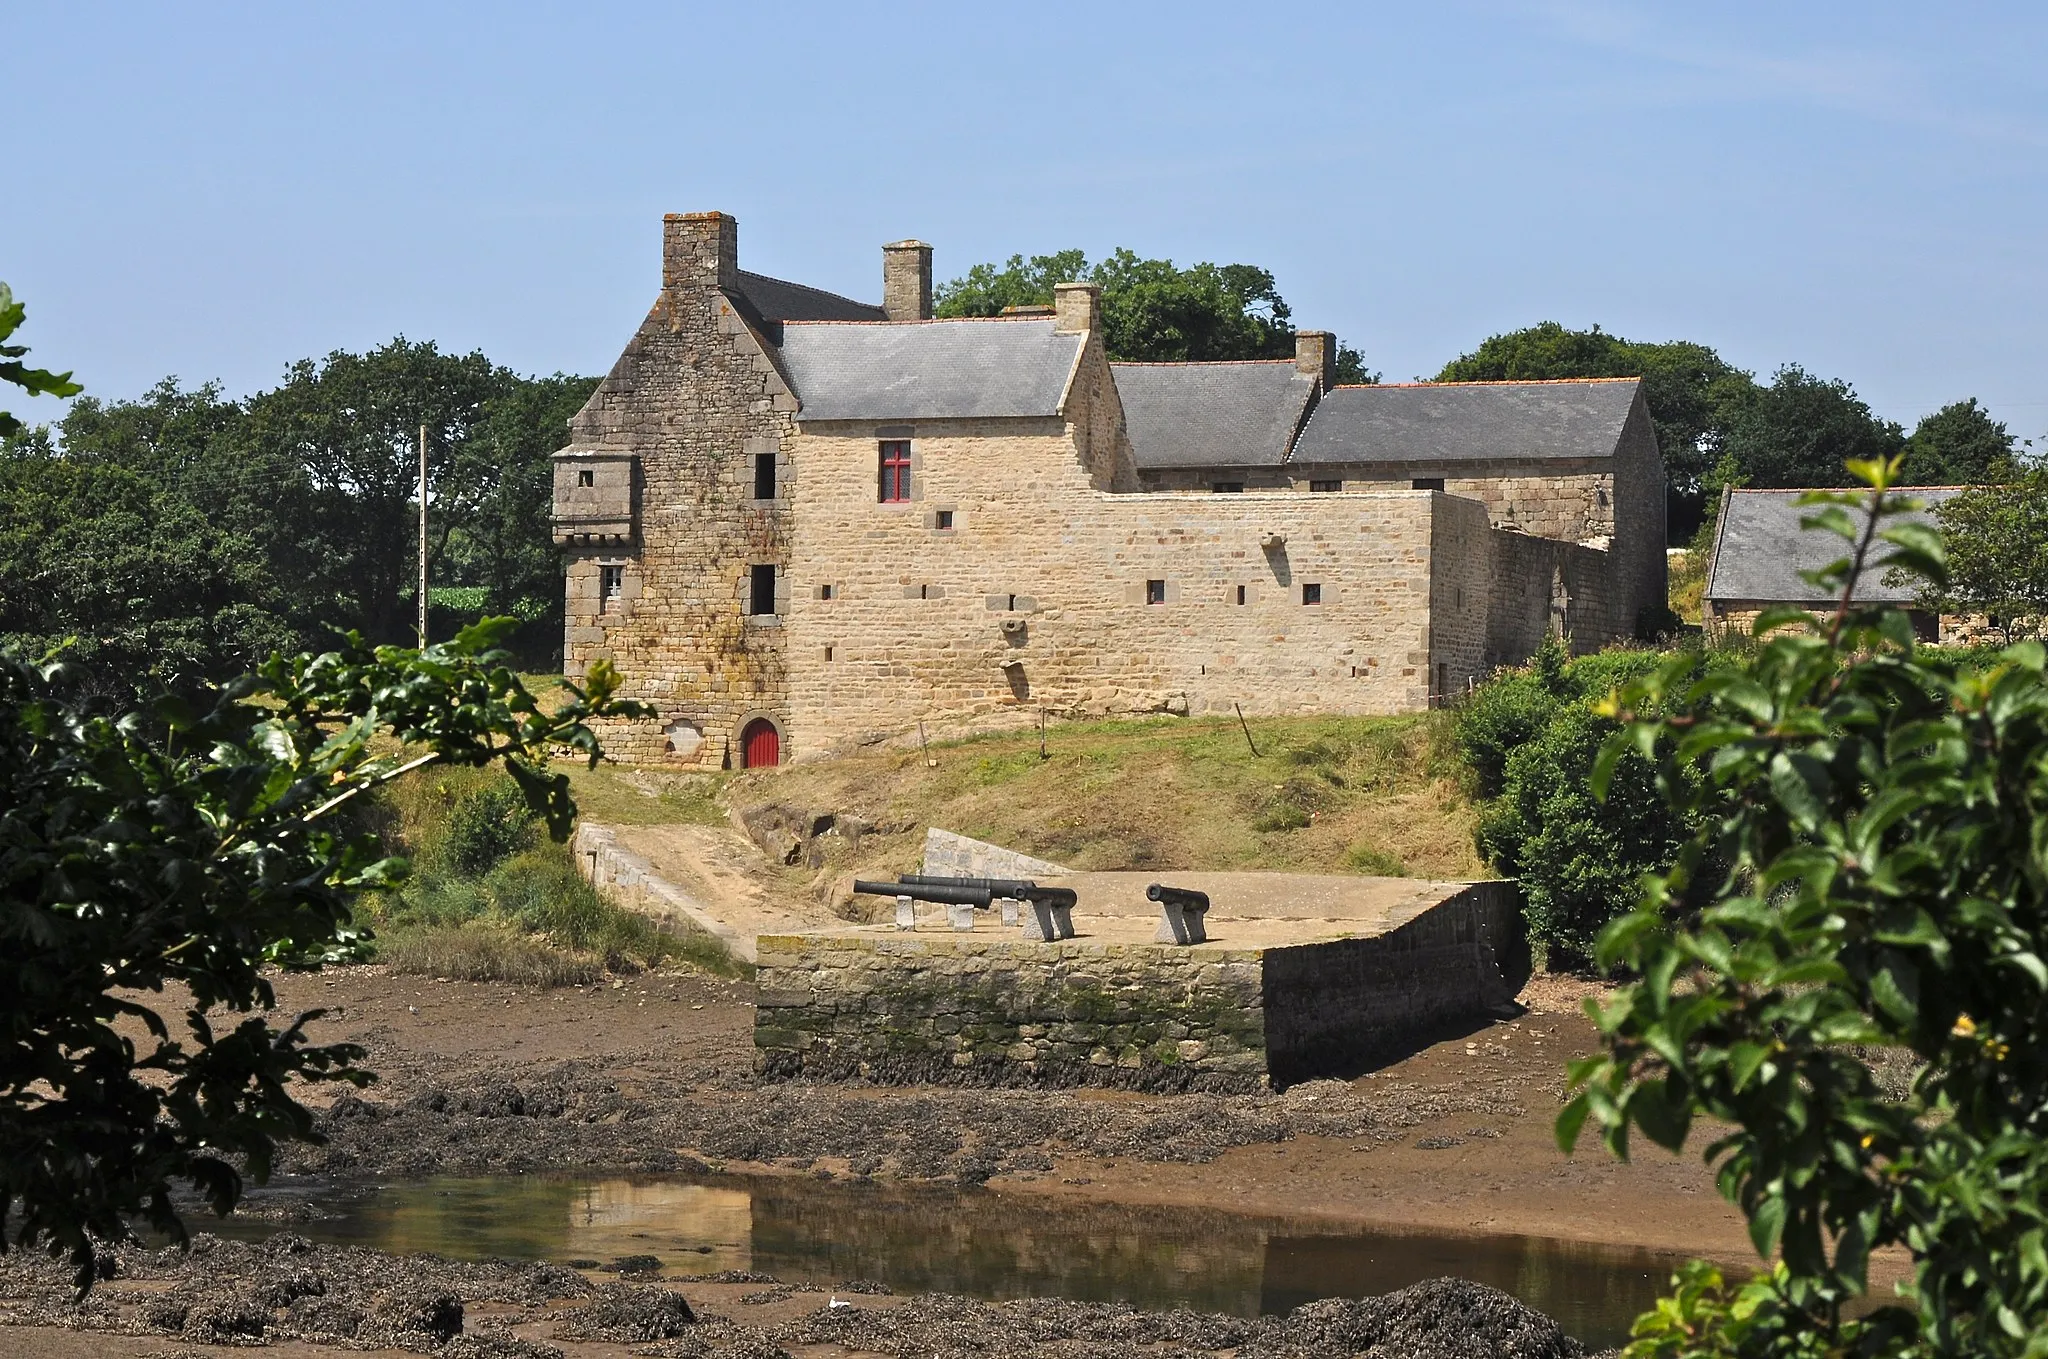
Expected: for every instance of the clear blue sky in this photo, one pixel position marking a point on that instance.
(212, 191)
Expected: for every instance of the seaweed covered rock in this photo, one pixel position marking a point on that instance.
(628, 1315)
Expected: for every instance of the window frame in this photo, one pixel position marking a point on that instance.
(1155, 592)
(893, 472)
(757, 573)
(1311, 593)
(611, 587)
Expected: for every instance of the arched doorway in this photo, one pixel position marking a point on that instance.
(760, 744)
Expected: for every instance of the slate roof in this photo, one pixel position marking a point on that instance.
(1212, 414)
(1759, 551)
(780, 300)
(928, 370)
(1430, 422)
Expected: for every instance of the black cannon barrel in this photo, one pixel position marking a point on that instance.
(1014, 888)
(978, 897)
(1184, 897)
(1002, 887)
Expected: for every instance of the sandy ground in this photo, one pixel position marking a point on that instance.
(656, 1072)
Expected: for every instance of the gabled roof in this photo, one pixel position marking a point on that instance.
(1759, 550)
(1212, 414)
(780, 300)
(928, 370)
(1427, 422)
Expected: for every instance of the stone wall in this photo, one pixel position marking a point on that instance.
(930, 1009)
(694, 396)
(922, 1007)
(1339, 1007)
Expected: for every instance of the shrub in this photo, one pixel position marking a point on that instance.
(1530, 738)
(1870, 875)
(486, 824)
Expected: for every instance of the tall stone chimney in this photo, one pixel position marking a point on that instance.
(1074, 305)
(1315, 356)
(700, 251)
(907, 281)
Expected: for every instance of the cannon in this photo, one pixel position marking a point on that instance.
(1052, 908)
(1182, 912)
(961, 902)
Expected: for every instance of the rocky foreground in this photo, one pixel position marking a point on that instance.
(292, 1293)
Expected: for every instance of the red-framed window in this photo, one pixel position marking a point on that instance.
(895, 481)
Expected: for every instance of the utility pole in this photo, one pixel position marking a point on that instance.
(423, 535)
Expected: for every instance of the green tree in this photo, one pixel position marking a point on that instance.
(1998, 553)
(1152, 309)
(34, 381)
(192, 845)
(1531, 737)
(1869, 875)
(1692, 394)
(1960, 444)
(1802, 430)
(352, 423)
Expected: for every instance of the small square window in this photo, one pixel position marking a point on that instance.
(1311, 593)
(1326, 485)
(943, 519)
(611, 585)
(1240, 594)
(761, 590)
(586, 477)
(764, 476)
(824, 592)
(1226, 487)
(1155, 592)
(1427, 484)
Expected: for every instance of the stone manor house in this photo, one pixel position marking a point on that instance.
(801, 524)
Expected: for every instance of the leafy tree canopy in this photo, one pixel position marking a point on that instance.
(1868, 876)
(183, 536)
(1960, 444)
(1998, 553)
(1152, 310)
(190, 844)
(1692, 393)
(1802, 430)
(34, 381)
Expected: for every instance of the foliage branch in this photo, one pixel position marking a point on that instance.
(163, 858)
(1870, 876)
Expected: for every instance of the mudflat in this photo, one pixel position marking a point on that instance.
(655, 1073)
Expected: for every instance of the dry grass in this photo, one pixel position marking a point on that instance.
(480, 951)
(1323, 794)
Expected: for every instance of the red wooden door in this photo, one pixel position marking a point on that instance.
(760, 745)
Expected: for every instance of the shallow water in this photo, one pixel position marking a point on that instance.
(973, 1242)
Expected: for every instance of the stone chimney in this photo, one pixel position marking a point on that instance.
(907, 281)
(1315, 356)
(700, 251)
(1074, 305)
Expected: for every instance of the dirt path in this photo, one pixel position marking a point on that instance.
(723, 871)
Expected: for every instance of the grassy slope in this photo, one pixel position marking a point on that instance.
(1324, 794)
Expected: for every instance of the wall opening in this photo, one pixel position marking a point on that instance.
(824, 592)
(1427, 484)
(764, 476)
(586, 477)
(1240, 594)
(761, 590)
(1326, 485)
(1311, 592)
(1227, 487)
(895, 471)
(611, 588)
(760, 745)
(943, 519)
(1155, 592)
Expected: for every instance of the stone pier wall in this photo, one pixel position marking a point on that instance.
(926, 1008)
(965, 1010)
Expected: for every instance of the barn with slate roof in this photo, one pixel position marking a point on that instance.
(800, 523)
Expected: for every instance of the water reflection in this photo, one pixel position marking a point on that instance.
(975, 1242)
